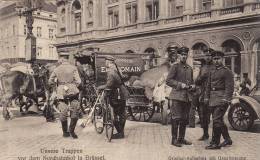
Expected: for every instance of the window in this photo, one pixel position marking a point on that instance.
(39, 51)
(152, 10)
(206, 5)
(90, 9)
(78, 22)
(113, 15)
(131, 13)
(231, 3)
(1, 33)
(51, 33)
(112, 1)
(14, 50)
(63, 15)
(63, 30)
(13, 29)
(24, 29)
(175, 8)
(39, 31)
(51, 51)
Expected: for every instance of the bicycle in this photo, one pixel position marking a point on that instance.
(104, 114)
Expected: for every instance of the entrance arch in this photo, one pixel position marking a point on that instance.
(256, 49)
(232, 50)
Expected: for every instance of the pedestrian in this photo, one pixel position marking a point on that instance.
(180, 78)
(219, 91)
(68, 81)
(245, 85)
(201, 81)
(117, 96)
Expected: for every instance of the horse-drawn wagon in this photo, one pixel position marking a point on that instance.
(139, 107)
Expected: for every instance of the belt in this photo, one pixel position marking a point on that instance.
(217, 89)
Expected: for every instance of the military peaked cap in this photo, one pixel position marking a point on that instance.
(208, 51)
(172, 49)
(110, 58)
(217, 54)
(182, 50)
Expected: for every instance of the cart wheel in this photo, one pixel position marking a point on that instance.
(142, 113)
(164, 112)
(98, 119)
(241, 116)
(109, 122)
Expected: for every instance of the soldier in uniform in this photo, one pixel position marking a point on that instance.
(219, 91)
(201, 81)
(117, 96)
(180, 78)
(68, 81)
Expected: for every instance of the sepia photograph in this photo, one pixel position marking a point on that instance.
(129, 79)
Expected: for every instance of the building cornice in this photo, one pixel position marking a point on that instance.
(178, 29)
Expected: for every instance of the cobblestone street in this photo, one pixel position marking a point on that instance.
(28, 136)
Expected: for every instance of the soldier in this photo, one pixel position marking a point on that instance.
(180, 78)
(201, 81)
(117, 96)
(68, 81)
(219, 93)
(172, 54)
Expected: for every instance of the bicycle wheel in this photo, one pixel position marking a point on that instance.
(109, 122)
(98, 118)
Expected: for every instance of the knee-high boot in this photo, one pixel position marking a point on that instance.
(174, 131)
(215, 139)
(227, 138)
(72, 126)
(64, 125)
(182, 131)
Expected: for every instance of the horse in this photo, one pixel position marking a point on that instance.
(17, 85)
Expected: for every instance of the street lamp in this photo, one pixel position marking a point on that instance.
(26, 8)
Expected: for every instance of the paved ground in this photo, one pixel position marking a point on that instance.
(31, 138)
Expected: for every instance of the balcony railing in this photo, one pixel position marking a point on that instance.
(232, 10)
(131, 26)
(256, 6)
(112, 30)
(151, 23)
(201, 15)
(174, 19)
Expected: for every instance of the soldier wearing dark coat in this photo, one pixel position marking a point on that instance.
(201, 81)
(180, 78)
(219, 91)
(117, 96)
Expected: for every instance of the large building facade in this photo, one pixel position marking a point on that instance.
(13, 32)
(151, 26)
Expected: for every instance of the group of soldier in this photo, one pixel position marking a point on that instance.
(68, 81)
(215, 84)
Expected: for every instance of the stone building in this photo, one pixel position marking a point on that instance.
(13, 31)
(151, 26)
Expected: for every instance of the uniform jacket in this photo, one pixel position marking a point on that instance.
(220, 86)
(114, 82)
(202, 79)
(68, 80)
(180, 73)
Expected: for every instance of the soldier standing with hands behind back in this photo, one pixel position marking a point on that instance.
(180, 78)
(219, 91)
